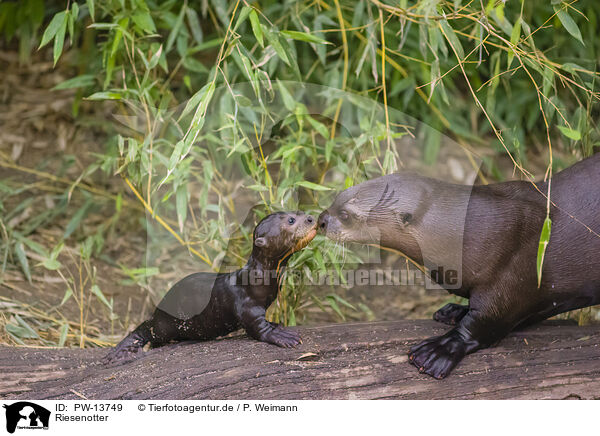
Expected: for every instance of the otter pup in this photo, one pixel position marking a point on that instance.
(203, 306)
(498, 228)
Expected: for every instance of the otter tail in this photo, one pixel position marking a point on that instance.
(131, 346)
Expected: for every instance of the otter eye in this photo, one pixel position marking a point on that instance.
(291, 220)
(344, 215)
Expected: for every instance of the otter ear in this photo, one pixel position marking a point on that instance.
(403, 218)
(260, 242)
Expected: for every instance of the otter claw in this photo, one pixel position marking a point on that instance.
(121, 355)
(283, 337)
(438, 356)
(451, 313)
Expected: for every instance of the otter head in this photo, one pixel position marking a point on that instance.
(369, 213)
(280, 234)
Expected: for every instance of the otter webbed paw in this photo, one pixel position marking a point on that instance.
(253, 320)
(439, 355)
(282, 337)
(121, 355)
(451, 313)
(128, 349)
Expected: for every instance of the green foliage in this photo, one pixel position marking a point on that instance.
(22, 19)
(544, 240)
(506, 76)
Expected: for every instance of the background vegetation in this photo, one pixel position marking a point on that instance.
(511, 81)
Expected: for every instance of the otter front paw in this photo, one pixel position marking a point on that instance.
(451, 313)
(122, 354)
(282, 337)
(439, 355)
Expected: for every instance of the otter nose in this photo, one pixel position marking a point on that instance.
(323, 220)
(309, 219)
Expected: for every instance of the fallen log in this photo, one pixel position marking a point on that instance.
(340, 361)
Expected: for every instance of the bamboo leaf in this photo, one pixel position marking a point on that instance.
(242, 17)
(194, 23)
(181, 198)
(19, 332)
(570, 133)
(199, 115)
(333, 304)
(98, 293)
(313, 186)
(306, 37)
(288, 101)
(64, 330)
(72, 18)
(38, 248)
(51, 264)
(77, 218)
(452, 38)
(256, 28)
(59, 39)
(319, 127)
(176, 155)
(194, 101)
(155, 58)
(568, 23)
(31, 333)
(572, 68)
(144, 21)
(91, 8)
(514, 39)
(57, 250)
(20, 252)
(175, 30)
(342, 301)
(291, 317)
(82, 81)
(67, 296)
(104, 95)
(544, 240)
(118, 202)
(104, 26)
(52, 28)
(276, 44)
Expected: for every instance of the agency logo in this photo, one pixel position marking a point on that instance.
(26, 415)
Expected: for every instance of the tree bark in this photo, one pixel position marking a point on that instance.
(340, 361)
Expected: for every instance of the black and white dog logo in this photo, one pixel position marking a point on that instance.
(26, 415)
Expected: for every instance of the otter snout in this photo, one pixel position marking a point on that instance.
(323, 221)
(308, 219)
(329, 225)
(305, 231)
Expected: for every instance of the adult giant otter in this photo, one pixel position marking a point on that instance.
(501, 225)
(204, 306)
